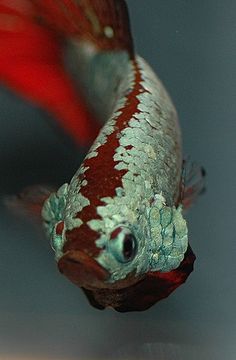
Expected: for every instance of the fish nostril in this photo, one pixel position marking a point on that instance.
(60, 227)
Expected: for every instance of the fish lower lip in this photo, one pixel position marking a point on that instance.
(82, 269)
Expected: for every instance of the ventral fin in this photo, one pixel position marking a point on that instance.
(192, 183)
(29, 202)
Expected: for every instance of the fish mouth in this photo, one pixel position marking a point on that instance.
(83, 270)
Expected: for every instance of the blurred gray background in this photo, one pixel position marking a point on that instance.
(191, 45)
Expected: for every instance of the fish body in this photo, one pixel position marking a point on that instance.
(119, 217)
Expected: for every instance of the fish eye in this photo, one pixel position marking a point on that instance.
(123, 244)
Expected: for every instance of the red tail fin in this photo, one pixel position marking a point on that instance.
(103, 22)
(31, 63)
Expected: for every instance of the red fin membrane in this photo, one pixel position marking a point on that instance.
(192, 183)
(32, 36)
(31, 63)
(103, 22)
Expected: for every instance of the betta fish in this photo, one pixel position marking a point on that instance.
(117, 228)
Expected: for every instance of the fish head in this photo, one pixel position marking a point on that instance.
(90, 257)
(101, 267)
(120, 245)
(137, 237)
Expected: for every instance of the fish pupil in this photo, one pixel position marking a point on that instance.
(129, 247)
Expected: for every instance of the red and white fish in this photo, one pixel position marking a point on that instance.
(117, 228)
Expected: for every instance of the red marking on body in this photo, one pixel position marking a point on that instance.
(115, 233)
(60, 227)
(102, 177)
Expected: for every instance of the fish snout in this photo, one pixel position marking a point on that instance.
(83, 270)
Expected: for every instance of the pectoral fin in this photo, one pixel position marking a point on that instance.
(192, 183)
